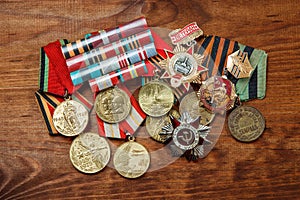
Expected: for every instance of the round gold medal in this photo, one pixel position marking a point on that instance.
(89, 153)
(70, 118)
(156, 99)
(246, 123)
(112, 105)
(154, 126)
(131, 159)
(192, 105)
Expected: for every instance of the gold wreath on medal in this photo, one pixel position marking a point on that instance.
(182, 66)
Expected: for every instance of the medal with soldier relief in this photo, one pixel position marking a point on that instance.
(131, 159)
(89, 153)
(70, 117)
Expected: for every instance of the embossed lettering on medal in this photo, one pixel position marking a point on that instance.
(112, 105)
(246, 123)
(70, 118)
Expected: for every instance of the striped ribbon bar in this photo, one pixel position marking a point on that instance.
(103, 37)
(216, 51)
(129, 125)
(133, 71)
(47, 104)
(113, 64)
(102, 53)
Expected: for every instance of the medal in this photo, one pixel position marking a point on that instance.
(112, 105)
(70, 118)
(131, 159)
(217, 94)
(192, 105)
(188, 137)
(154, 125)
(246, 123)
(89, 153)
(156, 99)
(238, 64)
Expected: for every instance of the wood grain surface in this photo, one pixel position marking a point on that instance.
(34, 165)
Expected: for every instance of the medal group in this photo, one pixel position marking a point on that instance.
(185, 82)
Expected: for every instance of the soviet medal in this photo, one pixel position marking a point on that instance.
(192, 105)
(154, 125)
(156, 99)
(217, 94)
(188, 137)
(246, 123)
(131, 159)
(89, 153)
(70, 118)
(112, 105)
(239, 65)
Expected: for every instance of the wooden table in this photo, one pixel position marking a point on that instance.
(34, 165)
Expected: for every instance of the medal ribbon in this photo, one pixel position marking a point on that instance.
(54, 80)
(216, 51)
(103, 37)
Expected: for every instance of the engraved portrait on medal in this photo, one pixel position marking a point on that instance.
(112, 105)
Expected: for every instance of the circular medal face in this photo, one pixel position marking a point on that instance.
(192, 105)
(131, 160)
(183, 63)
(70, 118)
(112, 105)
(185, 137)
(89, 153)
(154, 126)
(246, 123)
(217, 94)
(156, 99)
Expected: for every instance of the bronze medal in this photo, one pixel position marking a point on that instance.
(246, 123)
(70, 118)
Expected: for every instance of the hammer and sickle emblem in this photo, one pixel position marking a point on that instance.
(186, 137)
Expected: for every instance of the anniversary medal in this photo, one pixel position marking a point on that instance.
(70, 117)
(246, 123)
(131, 159)
(112, 105)
(154, 125)
(156, 98)
(61, 114)
(89, 153)
(192, 105)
